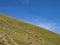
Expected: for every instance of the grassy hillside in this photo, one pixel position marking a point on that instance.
(15, 32)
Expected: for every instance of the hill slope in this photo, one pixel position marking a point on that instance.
(15, 32)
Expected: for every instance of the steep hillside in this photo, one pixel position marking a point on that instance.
(15, 32)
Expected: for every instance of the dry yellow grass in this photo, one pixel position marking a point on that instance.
(22, 33)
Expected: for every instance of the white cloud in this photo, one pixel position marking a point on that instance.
(47, 24)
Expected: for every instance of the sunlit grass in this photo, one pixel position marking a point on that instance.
(27, 34)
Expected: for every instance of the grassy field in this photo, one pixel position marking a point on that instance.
(15, 32)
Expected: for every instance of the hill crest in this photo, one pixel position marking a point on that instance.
(26, 34)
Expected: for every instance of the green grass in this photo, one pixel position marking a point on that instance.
(27, 34)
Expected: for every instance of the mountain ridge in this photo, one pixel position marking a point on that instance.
(26, 34)
(26, 22)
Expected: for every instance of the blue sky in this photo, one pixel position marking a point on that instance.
(43, 13)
